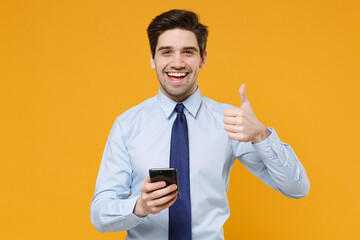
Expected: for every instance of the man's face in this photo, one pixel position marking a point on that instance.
(177, 61)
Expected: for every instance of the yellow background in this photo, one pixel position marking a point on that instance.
(69, 68)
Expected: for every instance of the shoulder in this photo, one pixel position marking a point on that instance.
(135, 113)
(214, 106)
(132, 121)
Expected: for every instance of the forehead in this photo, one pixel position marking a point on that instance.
(177, 38)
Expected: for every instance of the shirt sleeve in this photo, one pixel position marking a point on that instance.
(276, 164)
(112, 206)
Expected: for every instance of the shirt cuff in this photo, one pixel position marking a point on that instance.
(131, 219)
(271, 147)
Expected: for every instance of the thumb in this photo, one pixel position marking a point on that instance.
(242, 94)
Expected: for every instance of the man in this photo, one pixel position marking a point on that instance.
(147, 136)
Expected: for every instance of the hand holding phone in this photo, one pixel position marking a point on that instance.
(156, 196)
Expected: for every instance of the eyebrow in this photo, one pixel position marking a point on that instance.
(191, 48)
(184, 48)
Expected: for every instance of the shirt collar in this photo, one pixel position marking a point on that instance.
(192, 103)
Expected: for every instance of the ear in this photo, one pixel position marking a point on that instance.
(203, 60)
(152, 61)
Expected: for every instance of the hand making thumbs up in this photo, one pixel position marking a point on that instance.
(242, 123)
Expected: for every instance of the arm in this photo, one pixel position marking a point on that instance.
(276, 164)
(113, 208)
(262, 152)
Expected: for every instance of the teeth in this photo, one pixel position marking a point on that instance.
(177, 74)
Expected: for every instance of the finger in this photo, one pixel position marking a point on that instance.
(242, 94)
(232, 112)
(170, 202)
(237, 136)
(233, 128)
(158, 209)
(150, 187)
(147, 179)
(163, 191)
(163, 200)
(233, 120)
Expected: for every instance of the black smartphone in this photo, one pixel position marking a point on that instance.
(169, 175)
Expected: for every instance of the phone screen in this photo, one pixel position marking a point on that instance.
(169, 175)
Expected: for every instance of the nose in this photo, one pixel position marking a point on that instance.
(178, 61)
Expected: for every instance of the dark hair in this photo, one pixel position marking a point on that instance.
(177, 18)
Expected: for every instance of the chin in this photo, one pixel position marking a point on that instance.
(177, 93)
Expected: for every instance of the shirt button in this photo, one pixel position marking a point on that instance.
(285, 164)
(273, 144)
(267, 149)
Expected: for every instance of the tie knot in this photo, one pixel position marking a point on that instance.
(179, 108)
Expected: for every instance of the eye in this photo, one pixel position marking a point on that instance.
(188, 52)
(166, 52)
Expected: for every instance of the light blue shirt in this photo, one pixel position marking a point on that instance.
(140, 140)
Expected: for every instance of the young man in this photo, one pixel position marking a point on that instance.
(201, 138)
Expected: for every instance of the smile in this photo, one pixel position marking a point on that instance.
(176, 77)
(177, 74)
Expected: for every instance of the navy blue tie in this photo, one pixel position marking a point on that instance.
(180, 211)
